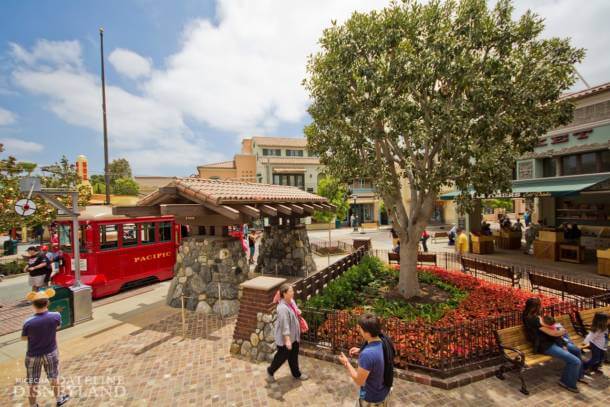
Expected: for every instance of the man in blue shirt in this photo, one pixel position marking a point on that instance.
(40, 331)
(371, 364)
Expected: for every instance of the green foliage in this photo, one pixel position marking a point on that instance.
(336, 192)
(363, 284)
(14, 267)
(28, 167)
(344, 291)
(118, 169)
(441, 93)
(503, 203)
(125, 186)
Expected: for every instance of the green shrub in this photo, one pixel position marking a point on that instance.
(14, 267)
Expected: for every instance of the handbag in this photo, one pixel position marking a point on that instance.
(302, 323)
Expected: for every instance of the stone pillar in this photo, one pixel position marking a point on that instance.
(204, 266)
(254, 335)
(287, 250)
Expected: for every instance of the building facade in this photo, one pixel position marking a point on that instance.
(287, 161)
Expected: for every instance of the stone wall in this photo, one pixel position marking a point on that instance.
(260, 345)
(285, 250)
(203, 265)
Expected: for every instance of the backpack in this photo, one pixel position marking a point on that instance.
(388, 359)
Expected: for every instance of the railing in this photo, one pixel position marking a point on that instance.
(312, 285)
(526, 277)
(439, 350)
(321, 247)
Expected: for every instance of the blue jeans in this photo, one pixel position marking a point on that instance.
(597, 358)
(573, 369)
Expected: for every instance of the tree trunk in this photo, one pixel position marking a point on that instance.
(408, 284)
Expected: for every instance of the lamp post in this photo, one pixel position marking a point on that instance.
(106, 173)
(355, 225)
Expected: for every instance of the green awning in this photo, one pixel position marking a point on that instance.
(555, 186)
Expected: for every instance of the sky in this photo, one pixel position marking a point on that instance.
(187, 80)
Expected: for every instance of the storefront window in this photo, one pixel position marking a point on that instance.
(605, 161)
(549, 167)
(588, 163)
(569, 165)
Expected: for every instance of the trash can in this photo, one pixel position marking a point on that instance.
(10, 247)
(62, 302)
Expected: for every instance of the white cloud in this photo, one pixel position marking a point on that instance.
(65, 54)
(129, 63)
(244, 74)
(150, 134)
(6, 117)
(14, 146)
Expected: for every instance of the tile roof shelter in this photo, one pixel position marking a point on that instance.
(212, 260)
(207, 202)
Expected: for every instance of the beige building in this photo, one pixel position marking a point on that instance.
(286, 161)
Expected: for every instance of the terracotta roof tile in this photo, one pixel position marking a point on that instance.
(235, 192)
(587, 92)
(221, 164)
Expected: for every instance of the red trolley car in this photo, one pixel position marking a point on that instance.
(118, 252)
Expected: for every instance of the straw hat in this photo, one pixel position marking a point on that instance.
(40, 295)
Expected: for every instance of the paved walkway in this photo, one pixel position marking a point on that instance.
(153, 366)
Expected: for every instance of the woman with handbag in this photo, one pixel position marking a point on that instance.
(288, 327)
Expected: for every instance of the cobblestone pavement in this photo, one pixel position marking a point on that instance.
(154, 366)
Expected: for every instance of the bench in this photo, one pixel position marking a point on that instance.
(369, 225)
(505, 272)
(519, 352)
(421, 258)
(542, 283)
(585, 317)
(438, 235)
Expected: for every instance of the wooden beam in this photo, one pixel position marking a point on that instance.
(184, 210)
(136, 210)
(210, 220)
(248, 210)
(268, 210)
(296, 208)
(283, 209)
(317, 207)
(308, 208)
(168, 190)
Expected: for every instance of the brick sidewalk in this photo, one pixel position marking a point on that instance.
(152, 367)
(12, 315)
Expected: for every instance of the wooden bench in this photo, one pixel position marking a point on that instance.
(421, 258)
(438, 235)
(506, 272)
(585, 317)
(540, 282)
(369, 225)
(519, 352)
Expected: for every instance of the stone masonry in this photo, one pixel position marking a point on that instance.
(207, 266)
(254, 335)
(285, 250)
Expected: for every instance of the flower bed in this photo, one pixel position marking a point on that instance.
(462, 335)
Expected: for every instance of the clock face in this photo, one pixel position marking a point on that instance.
(25, 207)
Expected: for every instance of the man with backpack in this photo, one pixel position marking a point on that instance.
(375, 373)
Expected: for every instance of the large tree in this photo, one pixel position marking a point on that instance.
(443, 93)
(118, 169)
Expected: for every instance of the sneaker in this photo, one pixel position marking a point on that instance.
(302, 377)
(63, 399)
(572, 389)
(586, 379)
(270, 378)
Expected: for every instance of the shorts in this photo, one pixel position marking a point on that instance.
(36, 281)
(34, 365)
(363, 403)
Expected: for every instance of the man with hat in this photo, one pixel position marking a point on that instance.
(37, 268)
(40, 331)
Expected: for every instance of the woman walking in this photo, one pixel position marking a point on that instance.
(287, 335)
(546, 340)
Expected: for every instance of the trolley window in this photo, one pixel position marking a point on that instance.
(64, 232)
(109, 237)
(148, 233)
(165, 231)
(130, 234)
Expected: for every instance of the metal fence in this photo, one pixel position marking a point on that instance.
(527, 277)
(321, 247)
(450, 349)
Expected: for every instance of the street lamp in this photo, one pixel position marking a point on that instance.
(355, 225)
